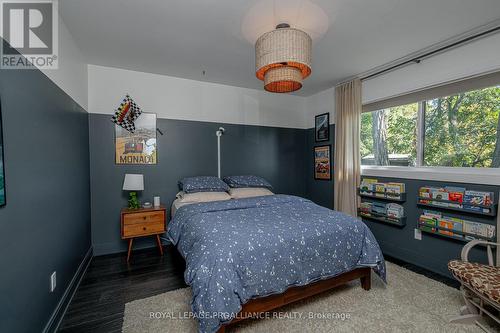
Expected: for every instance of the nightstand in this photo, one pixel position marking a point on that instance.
(143, 222)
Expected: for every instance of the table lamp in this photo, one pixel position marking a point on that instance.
(133, 183)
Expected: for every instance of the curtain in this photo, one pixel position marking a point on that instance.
(347, 159)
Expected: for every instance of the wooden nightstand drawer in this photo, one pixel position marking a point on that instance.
(143, 222)
(149, 217)
(142, 229)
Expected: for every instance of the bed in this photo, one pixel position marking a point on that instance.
(176, 205)
(256, 254)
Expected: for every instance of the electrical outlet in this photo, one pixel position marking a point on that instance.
(53, 281)
(418, 234)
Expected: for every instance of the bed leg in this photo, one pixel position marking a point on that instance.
(366, 281)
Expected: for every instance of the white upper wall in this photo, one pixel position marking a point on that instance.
(176, 98)
(319, 103)
(479, 57)
(71, 76)
(475, 58)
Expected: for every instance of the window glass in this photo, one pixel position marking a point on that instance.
(389, 136)
(463, 130)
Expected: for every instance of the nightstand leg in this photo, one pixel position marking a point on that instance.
(130, 241)
(159, 244)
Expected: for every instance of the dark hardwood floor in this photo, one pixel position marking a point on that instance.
(110, 283)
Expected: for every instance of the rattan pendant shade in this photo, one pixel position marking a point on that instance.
(283, 59)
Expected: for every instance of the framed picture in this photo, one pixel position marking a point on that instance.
(138, 147)
(2, 172)
(322, 163)
(322, 127)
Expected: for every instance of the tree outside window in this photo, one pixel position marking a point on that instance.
(461, 130)
(389, 136)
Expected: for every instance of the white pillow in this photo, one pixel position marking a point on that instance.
(248, 192)
(202, 196)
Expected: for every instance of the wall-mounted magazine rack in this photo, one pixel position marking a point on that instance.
(442, 204)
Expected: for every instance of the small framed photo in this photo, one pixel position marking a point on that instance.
(322, 127)
(322, 162)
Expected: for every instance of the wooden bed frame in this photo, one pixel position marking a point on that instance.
(294, 294)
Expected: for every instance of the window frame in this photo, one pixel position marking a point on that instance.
(488, 176)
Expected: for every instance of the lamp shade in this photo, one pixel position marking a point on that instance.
(283, 79)
(133, 182)
(283, 58)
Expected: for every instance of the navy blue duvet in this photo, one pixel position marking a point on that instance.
(241, 249)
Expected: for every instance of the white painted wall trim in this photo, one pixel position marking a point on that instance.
(458, 175)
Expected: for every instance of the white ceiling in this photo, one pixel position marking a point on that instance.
(182, 38)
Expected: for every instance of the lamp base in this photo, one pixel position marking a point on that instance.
(133, 202)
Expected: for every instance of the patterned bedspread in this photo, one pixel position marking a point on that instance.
(236, 250)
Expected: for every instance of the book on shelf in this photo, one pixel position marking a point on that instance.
(369, 181)
(432, 214)
(367, 186)
(473, 200)
(365, 207)
(379, 208)
(455, 194)
(424, 192)
(394, 190)
(439, 194)
(431, 221)
(452, 224)
(480, 229)
(380, 190)
(391, 211)
(456, 197)
(372, 187)
(428, 221)
(478, 198)
(394, 210)
(427, 228)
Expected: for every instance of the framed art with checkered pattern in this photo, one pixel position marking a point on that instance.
(139, 146)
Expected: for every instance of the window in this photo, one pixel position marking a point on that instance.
(389, 136)
(461, 130)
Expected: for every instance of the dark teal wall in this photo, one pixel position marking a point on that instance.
(188, 148)
(45, 225)
(319, 191)
(432, 252)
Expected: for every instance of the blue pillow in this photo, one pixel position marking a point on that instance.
(247, 181)
(202, 184)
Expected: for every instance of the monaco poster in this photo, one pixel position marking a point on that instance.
(138, 147)
(322, 163)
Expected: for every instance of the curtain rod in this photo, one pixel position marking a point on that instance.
(418, 59)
